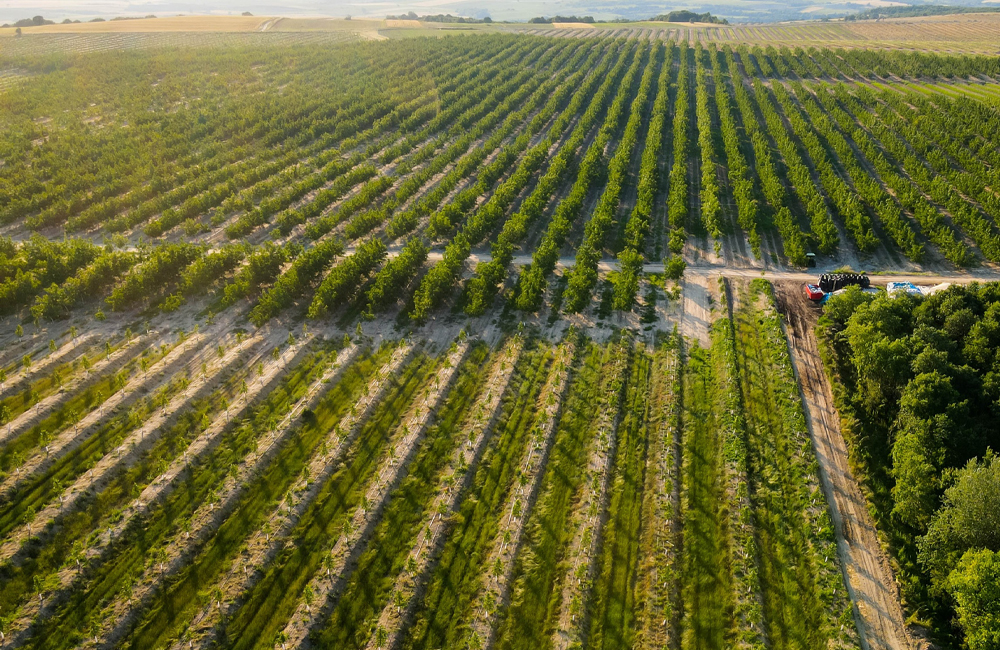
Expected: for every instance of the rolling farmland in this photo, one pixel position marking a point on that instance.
(355, 342)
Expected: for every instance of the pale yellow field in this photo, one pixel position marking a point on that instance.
(403, 23)
(166, 24)
(962, 33)
(955, 33)
(327, 25)
(959, 28)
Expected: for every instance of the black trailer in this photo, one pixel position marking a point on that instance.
(830, 282)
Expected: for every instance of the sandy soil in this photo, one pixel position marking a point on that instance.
(869, 577)
(697, 302)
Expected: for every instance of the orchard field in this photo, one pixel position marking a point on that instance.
(316, 341)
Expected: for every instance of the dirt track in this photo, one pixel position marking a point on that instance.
(869, 577)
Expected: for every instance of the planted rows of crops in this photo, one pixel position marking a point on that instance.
(330, 195)
(532, 493)
(264, 479)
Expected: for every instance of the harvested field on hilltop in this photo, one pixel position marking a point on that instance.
(326, 24)
(945, 34)
(402, 23)
(45, 44)
(164, 24)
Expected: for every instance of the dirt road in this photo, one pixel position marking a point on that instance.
(869, 577)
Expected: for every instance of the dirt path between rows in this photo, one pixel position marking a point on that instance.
(878, 613)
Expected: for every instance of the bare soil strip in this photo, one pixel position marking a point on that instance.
(45, 406)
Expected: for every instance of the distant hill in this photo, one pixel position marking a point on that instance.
(685, 16)
(922, 10)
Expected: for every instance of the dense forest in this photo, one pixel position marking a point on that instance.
(918, 387)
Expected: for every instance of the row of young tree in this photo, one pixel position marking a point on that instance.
(484, 220)
(771, 184)
(737, 168)
(583, 276)
(677, 199)
(916, 383)
(842, 62)
(483, 287)
(534, 279)
(84, 177)
(373, 169)
(631, 258)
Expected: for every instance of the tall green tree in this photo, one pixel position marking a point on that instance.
(975, 586)
(968, 519)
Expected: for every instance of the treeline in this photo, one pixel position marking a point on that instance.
(54, 278)
(541, 20)
(440, 18)
(685, 16)
(38, 263)
(916, 384)
(34, 21)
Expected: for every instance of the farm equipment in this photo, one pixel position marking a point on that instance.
(813, 292)
(830, 282)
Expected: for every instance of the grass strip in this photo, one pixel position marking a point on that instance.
(455, 579)
(539, 571)
(356, 613)
(613, 616)
(272, 600)
(114, 571)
